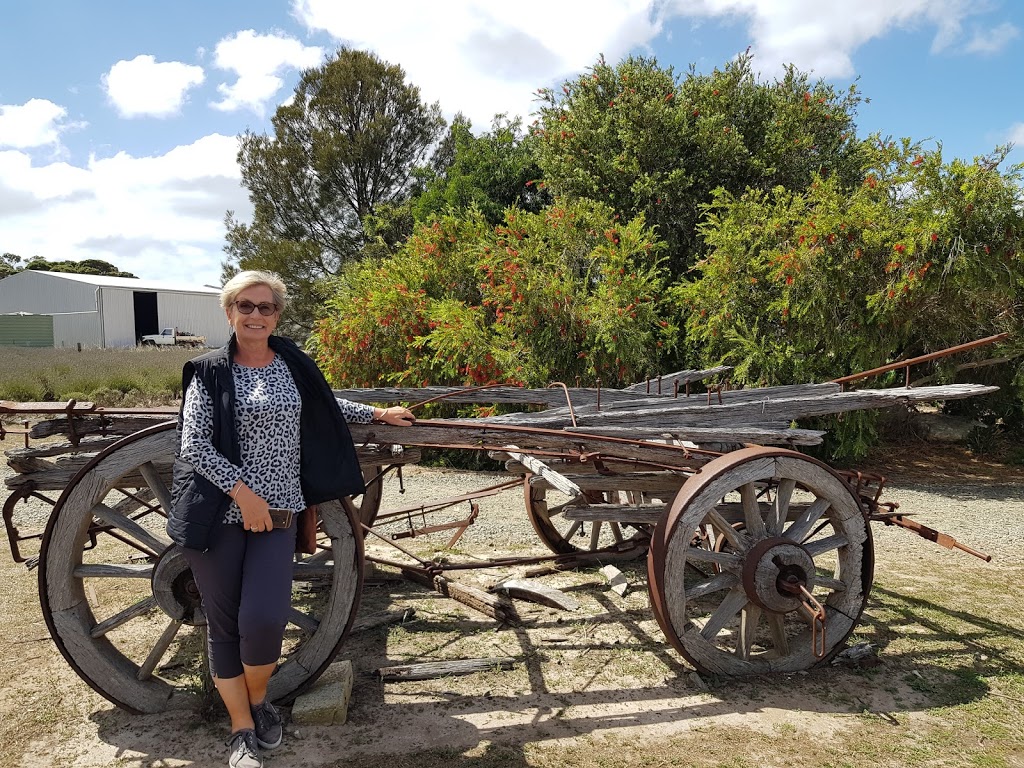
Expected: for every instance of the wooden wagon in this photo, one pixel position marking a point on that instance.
(760, 559)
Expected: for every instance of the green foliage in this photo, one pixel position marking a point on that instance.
(814, 284)
(563, 293)
(643, 141)
(491, 172)
(347, 142)
(11, 263)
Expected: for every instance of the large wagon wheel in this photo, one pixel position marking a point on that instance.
(739, 611)
(120, 602)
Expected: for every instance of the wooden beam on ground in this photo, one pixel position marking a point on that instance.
(612, 513)
(536, 593)
(496, 606)
(430, 670)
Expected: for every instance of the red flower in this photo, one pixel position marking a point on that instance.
(934, 237)
(899, 248)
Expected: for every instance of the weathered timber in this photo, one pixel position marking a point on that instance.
(383, 618)
(57, 479)
(495, 606)
(669, 416)
(98, 425)
(536, 593)
(553, 478)
(30, 464)
(682, 377)
(583, 560)
(382, 455)
(433, 669)
(470, 435)
(91, 445)
(648, 514)
(703, 435)
(14, 407)
(634, 481)
(693, 401)
(550, 396)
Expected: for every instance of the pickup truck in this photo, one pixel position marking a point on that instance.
(172, 337)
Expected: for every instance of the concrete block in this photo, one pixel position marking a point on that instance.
(326, 703)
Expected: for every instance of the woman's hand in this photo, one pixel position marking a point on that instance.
(255, 510)
(396, 415)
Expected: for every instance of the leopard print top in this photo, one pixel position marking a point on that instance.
(267, 406)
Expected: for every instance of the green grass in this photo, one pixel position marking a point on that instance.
(128, 377)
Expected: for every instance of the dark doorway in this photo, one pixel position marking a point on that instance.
(146, 321)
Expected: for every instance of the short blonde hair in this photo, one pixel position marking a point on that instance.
(248, 279)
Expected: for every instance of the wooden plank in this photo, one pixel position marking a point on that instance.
(704, 435)
(611, 513)
(95, 425)
(537, 467)
(495, 606)
(549, 396)
(37, 408)
(536, 593)
(90, 446)
(433, 669)
(383, 618)
(681, 376)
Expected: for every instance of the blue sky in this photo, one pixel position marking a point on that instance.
(118, 119)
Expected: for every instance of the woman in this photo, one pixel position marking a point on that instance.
(260, 428)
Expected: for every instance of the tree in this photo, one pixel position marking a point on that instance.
(639, 139)
(493, 172)
(9, 264)
(347, 142)
(83, 267)
(570, 291)
(813, 284)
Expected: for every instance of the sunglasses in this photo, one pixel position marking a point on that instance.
(246, 307)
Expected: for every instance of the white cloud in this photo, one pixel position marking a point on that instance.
(145, 87)
(821, 36)
(36, 123)
(1016, 134)
(993, 40)
(159, 216)
(482, 57)
(259, 60)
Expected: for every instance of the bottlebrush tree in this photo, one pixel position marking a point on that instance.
(568, 293)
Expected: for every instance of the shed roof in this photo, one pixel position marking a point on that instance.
(129, 282)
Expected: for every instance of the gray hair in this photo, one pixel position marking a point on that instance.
(248, 279)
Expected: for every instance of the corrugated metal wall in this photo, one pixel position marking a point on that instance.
(196, 312)
(117, 317)
(29, 291)
(73, 328)
(26, 331)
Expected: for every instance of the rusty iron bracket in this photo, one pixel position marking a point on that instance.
(942, 539)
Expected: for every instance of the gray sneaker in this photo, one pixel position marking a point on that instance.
(244, 751)
(268, 725)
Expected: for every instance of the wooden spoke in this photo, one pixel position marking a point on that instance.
(803, 525)
(145, 605)
(146, 670)
(113, 571)
(725, 560)
(752, 511)
(780, 507)
(836, 585)
(156, 484)
(749, 618)
(777, 625)
(156, 543)
(715, 584)
(311, 571)
(595, 534)
(820, 546)
(616, 532)
(727, 609)
(720, 524)
(303, 621)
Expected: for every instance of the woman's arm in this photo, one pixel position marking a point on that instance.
(197, 440)
(360, 413)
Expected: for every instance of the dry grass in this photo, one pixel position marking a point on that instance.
(129, 377)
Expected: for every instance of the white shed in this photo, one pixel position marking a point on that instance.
(97, 311)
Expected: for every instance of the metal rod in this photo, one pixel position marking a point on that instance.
(922, 359)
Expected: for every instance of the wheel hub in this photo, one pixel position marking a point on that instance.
(773, 567)
(175, 588)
